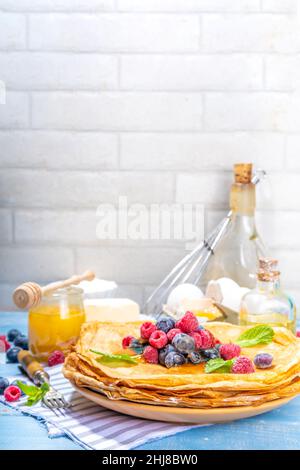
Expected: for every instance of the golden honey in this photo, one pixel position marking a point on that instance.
(55, 323)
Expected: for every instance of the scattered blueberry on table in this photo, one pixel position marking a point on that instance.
(13, 334)
(4, 383)
(12, 354)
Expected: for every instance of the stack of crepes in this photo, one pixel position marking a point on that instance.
(187, 385)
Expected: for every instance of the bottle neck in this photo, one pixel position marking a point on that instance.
(242, 199)
(269, 286)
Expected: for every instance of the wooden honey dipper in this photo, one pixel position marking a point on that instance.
(29, 294)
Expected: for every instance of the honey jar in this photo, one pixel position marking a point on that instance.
(55, 323)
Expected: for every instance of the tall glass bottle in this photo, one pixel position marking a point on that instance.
(267, 303)
(237, 254)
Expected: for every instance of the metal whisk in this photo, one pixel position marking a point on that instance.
(192, 266)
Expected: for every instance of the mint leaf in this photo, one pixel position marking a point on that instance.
(115, 360)
(29, 390)
(260, 334)
(45, 387)
(218, 365)
(35, 394)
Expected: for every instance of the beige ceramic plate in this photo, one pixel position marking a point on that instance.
(181, 415)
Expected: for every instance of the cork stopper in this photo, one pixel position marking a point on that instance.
(243, 173)
(268, 269)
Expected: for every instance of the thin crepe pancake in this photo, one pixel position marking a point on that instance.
(80, 374)
(189, 378)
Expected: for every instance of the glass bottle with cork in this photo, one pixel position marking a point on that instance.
(236, 256)
(267, 303)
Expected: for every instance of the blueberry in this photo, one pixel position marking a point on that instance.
(200, 327)
(211, 353)
(184, 343)
(217, 346)
(165, 323)
(3, 384)
(12, 354)
(21, 342)
(263, 360)
(174, 359)
(12, 334)
(15, 382)
(163, 352)
(196, 358)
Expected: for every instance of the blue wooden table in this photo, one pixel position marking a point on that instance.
(279, 429)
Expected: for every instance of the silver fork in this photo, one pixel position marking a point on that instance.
(52, 399)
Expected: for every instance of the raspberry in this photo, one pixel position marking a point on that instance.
(229, 351)
(187, 323)
(150, 355)
(56, 357)
(147, 329)
(158, 339)
(207, 339)
(213, 339)
(127, 341)
(172, 333)
(242, 365)
(4, 344)
(12, 393)
(298, 334)
(197, 338)
(217, 341)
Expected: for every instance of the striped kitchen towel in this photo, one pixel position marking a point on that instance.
(92, 426)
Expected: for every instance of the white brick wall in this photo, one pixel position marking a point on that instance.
(149, 99)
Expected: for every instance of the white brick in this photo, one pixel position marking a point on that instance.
(12, 31)
(55, 226)
(128, 264)
(37, 188)
(282, 6)
(6, 230)
(38, 71)
(289, 265)
(15, 112)
(250, 33)
(35, 263)
(293, 152)
(211, 189)
(57, 5)
(117, 111)
(275, 228)
(6, 301)
(241, 111)
(61, 150)
(292, 123)
(282, 72)
(206, 72)
(73, 226)
(280, 191)
(111, 32)
(202, 151)
(189, 5)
